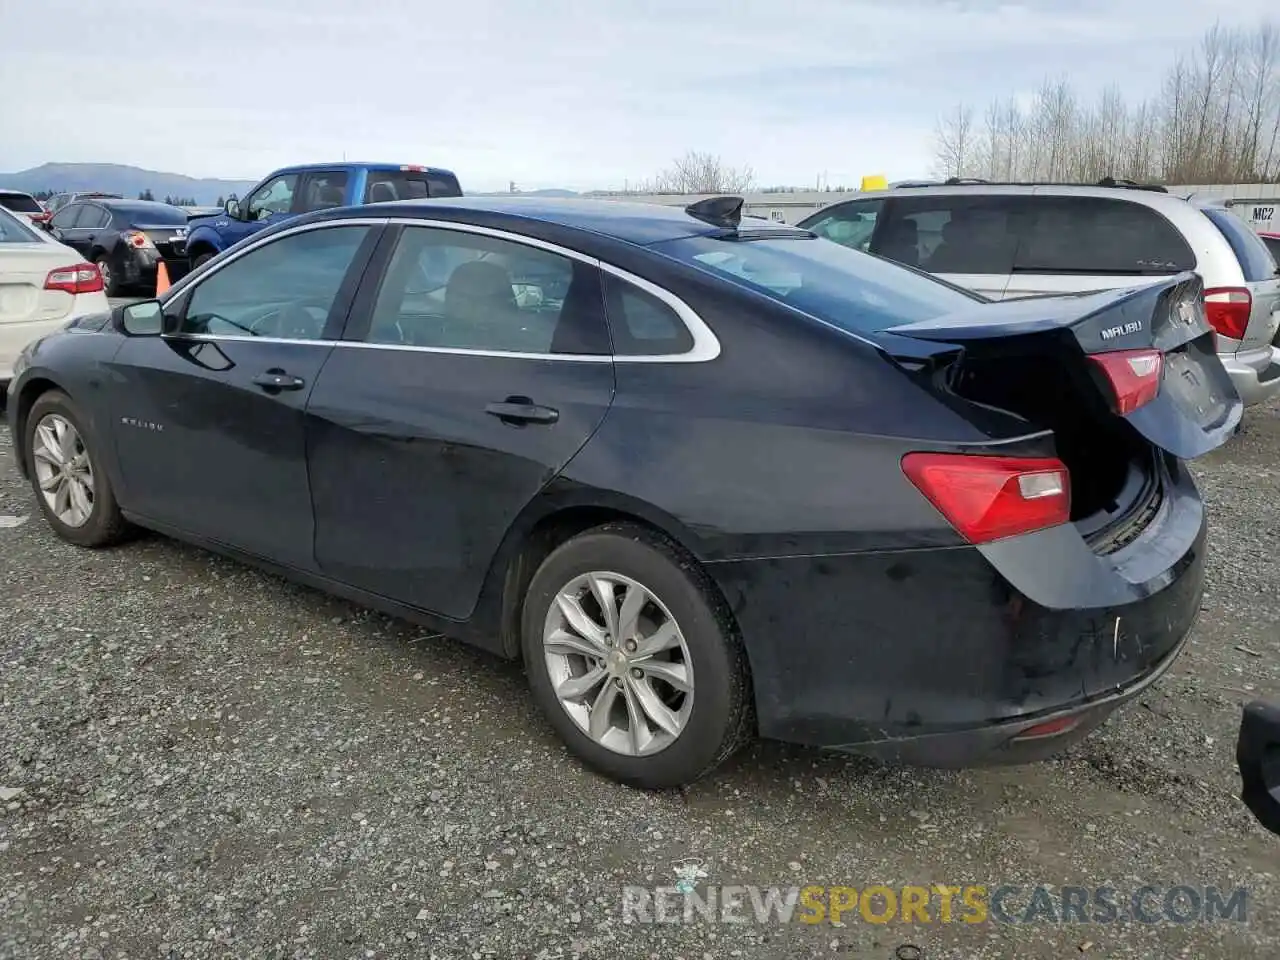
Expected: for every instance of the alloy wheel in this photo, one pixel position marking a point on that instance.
(618, 663)
(63, 470)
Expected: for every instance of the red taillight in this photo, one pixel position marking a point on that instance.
(986, 498)
(78, 278)
(136, 238)
(1134, 376)
(1227, 310)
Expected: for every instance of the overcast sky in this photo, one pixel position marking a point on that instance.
(582, 94)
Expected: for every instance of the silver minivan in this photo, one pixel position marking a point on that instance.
(1007, 241)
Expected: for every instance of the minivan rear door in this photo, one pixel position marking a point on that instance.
(1082, 244)
(1260, 273)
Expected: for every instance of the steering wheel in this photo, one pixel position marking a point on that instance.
(300, 320)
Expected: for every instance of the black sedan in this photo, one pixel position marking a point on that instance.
(127, 239)
(708, 477)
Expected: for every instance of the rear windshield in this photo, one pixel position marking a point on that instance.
(1255, 259)
(13, 230)
(20, 202)
(389, 185)
(851, 290)
(159, 214)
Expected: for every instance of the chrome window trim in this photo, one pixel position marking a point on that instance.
(706, 346)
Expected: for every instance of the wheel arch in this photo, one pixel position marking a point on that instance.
(544, 525)
(31, 391)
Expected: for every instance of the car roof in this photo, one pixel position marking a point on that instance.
(132, 206)
(15, 193)
(360, 164)
(629, 221)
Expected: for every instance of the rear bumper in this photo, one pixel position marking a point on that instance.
(141, 267)
(1255, 374)
(936, 657)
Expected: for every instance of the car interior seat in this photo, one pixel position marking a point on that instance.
(382, 192)
(479, 305)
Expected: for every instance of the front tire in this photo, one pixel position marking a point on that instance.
(70, 483)
(202, 259)
(634, 659)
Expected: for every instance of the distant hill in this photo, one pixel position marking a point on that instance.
(126, 181)
(131, 181)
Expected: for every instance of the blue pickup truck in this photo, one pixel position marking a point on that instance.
(318, 186)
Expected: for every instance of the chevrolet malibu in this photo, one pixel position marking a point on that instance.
(709, 477)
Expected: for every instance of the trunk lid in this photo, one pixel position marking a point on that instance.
(170, 239)
(1196, 408)
(24, 267)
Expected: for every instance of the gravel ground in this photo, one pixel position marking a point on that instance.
(203, 761)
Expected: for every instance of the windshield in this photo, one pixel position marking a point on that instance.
(20, 202)
(854, 291)
(13, 230)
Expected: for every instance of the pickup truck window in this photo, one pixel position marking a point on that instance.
(324, 189)
(388, 185)
(274, 196)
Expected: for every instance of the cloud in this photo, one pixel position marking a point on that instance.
(554, 92)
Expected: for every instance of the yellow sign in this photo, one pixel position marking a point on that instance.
(874, 181)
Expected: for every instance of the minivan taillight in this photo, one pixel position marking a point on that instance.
(988, 498)
(1227, 309)
(1134, 376)
(77, 278)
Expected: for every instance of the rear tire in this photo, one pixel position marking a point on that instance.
(67, 476)
(673, 699)
(110, 282)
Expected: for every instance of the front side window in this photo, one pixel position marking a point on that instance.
(65, 219)
(93, 217)
(451, 290)
(849, 224)
(1101, 236)
(847, 289)
(283, 289)
(325, 190)
(274, 196)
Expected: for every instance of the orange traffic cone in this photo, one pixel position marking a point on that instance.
(162, 278)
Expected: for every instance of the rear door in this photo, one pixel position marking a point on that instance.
(1262, 279)
(473, 369)
(1082, 244)
(967, 239)
(66, 228)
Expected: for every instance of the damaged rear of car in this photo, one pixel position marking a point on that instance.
(1103, 546)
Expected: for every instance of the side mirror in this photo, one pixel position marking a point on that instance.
(1258, 758)
(145, 319)
(232, 208)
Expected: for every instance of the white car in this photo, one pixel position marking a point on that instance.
(43, 284)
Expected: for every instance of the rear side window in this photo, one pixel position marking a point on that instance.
(19, 202)
(1273, 247)
(385, 186)
(1255, 259)
(641, 324)
(1096, 235)
(324, 190)
(951, 234)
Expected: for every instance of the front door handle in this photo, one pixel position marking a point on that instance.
(274, 381)
(521, 410)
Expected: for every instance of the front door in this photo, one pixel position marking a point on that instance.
(269, 203)
(66, 229)
(475, 368)
(210, 430)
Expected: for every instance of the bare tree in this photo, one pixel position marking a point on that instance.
(955, 146)
(701, 173)
(1216, 119)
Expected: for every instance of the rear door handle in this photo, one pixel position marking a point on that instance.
(274, 381)
(522, 410)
